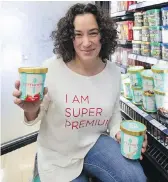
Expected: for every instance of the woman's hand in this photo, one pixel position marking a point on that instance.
(144, 145)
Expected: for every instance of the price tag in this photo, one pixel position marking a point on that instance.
(155, 123)
(162, 127)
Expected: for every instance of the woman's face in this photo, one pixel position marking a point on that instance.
(87, 38)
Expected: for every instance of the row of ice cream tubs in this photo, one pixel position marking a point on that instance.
(148, 88)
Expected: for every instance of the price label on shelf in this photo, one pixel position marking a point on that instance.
(162, 127)
(156, 123)
(139, 111)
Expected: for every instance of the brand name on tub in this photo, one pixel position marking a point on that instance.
(131, 144)
(33, 84)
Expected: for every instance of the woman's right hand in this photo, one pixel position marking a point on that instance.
(28, 107)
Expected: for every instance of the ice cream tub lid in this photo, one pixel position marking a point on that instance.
(32, 70)
(132, 127)
(134, 69)
(160, 68)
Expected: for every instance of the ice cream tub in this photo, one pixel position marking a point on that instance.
(161, 99)
(32, 81)
(137, 95)
(127, 88)
(132, 137)
(147, 80)
(149, 104)
(160, 75)
(135, 75)
(123, 76)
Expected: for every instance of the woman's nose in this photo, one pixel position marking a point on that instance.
(86, 41)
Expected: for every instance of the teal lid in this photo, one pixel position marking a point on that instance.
(132, 127)
(147, 74)
(135, 69)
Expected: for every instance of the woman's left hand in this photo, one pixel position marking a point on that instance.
(144, 145)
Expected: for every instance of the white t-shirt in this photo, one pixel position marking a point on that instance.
(74, 113)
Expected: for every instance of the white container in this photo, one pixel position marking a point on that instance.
(32, 81)
(135, 75)
(149, 104)
(127, 88)
(165, 34)
(137, 95)
(160, 75)
(123, 76)
(132, 137)
(147, 80)
(161, 99)
(137, 33)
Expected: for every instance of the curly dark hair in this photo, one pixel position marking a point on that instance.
(64, 34)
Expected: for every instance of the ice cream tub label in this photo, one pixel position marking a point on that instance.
(137, 95)
(127, 88)
(160, 75)
(147, 80)
(161, 99)
(149, 104)
(135, 75)
(132, 137)
(32, 83)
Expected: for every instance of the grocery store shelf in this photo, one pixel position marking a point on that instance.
(18, 143)
(147, 4)
(153, 126)
(125, 43)
(157, 151)
(120, 13)
(145, 59)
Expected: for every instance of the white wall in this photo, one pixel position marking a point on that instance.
(25, 28)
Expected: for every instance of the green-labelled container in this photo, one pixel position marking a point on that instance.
(136, 47)
(154, 17)
(160, 75)
(156, 50)
(155, 33)
(147, 80)
(145, 49)
(127, 88)
(149, 104)
(137, 95)
(135, 75)
(132, 137)
(32, 81)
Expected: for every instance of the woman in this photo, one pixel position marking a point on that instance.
(82, 102)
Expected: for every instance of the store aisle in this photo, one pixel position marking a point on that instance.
(18, 165)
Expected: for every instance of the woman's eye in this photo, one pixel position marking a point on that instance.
(94, 33)
(78, 35)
